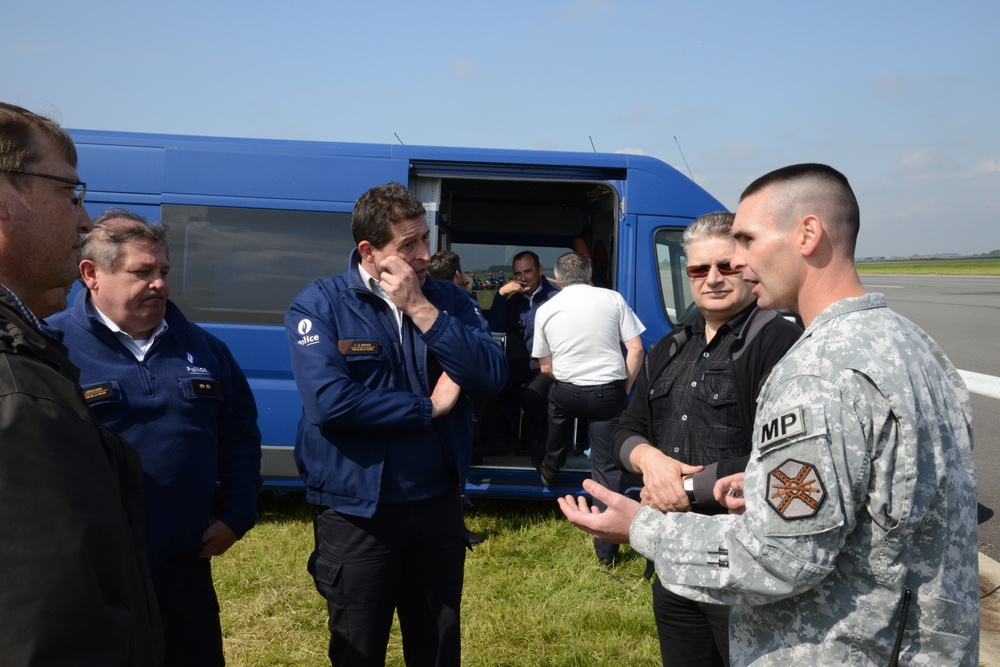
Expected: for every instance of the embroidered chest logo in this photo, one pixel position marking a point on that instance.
(795, 490)
(191, 368)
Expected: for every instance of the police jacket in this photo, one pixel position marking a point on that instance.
(188, 409)
(515, 316)
(366, 435)
(74, 582)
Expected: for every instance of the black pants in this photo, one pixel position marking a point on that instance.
(692, 634)
(190, 612)
(604, 471)
(598, 404)
(406, 558)
(601, 405)
(535, 401)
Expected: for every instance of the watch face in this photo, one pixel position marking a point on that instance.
(689, 487)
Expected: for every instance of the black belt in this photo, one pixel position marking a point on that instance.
(608, 385)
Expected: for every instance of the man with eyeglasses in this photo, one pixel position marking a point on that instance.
(690, 420)
(74, 584)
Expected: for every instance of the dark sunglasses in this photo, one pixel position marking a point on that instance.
(699, 271)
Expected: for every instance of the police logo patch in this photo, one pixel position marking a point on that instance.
(781, 427)
(794, 490)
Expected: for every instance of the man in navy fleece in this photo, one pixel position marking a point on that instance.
(178, 395)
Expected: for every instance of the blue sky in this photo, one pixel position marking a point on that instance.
(903, 97)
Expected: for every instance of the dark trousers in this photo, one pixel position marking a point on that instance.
(692, 634)
(604, 471)
(535, 401)
(598, 404)
(190, 612)
(601, 405)
(405, 558)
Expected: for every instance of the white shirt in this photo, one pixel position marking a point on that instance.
(377, 290)
(582, 327)
(138, 348)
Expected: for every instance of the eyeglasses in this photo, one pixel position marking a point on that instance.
(699, 271)
(78, 195)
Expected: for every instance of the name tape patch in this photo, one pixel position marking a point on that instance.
(99, 392)
(351, 347)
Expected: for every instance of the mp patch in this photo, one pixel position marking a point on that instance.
(795, 490)
(782, 427)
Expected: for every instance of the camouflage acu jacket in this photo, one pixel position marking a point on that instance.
(861, 486)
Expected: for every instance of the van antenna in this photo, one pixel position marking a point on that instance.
(591, 142)
(682, 157)
(398, 139)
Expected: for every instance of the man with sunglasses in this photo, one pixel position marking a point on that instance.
(74, 585)
(690, 420)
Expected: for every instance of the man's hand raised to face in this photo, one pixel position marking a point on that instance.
(402, 285)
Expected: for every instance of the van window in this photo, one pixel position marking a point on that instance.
(246, 265)
(675, 289)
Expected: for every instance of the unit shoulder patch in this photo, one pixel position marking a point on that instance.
(795, 490)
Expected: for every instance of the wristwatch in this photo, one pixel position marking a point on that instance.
(689, 488)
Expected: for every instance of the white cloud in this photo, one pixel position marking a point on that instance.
(918, 160)
(463, 67)
(987, 166)
(632, 151)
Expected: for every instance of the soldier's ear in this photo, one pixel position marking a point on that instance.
(811, 233)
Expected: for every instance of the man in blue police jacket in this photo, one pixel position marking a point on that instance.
(177, 394)
(383, 356)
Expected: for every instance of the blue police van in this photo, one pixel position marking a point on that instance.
(254, 221)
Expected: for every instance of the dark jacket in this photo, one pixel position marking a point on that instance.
(74, 582)
(515, 317)
(366, 436)
(761, 342)
(189, 410)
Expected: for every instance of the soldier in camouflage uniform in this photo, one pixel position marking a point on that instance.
(858, 544)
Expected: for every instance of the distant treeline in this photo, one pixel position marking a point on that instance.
(993, 254)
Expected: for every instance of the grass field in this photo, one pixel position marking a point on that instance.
(535, 594)
(966, 266)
